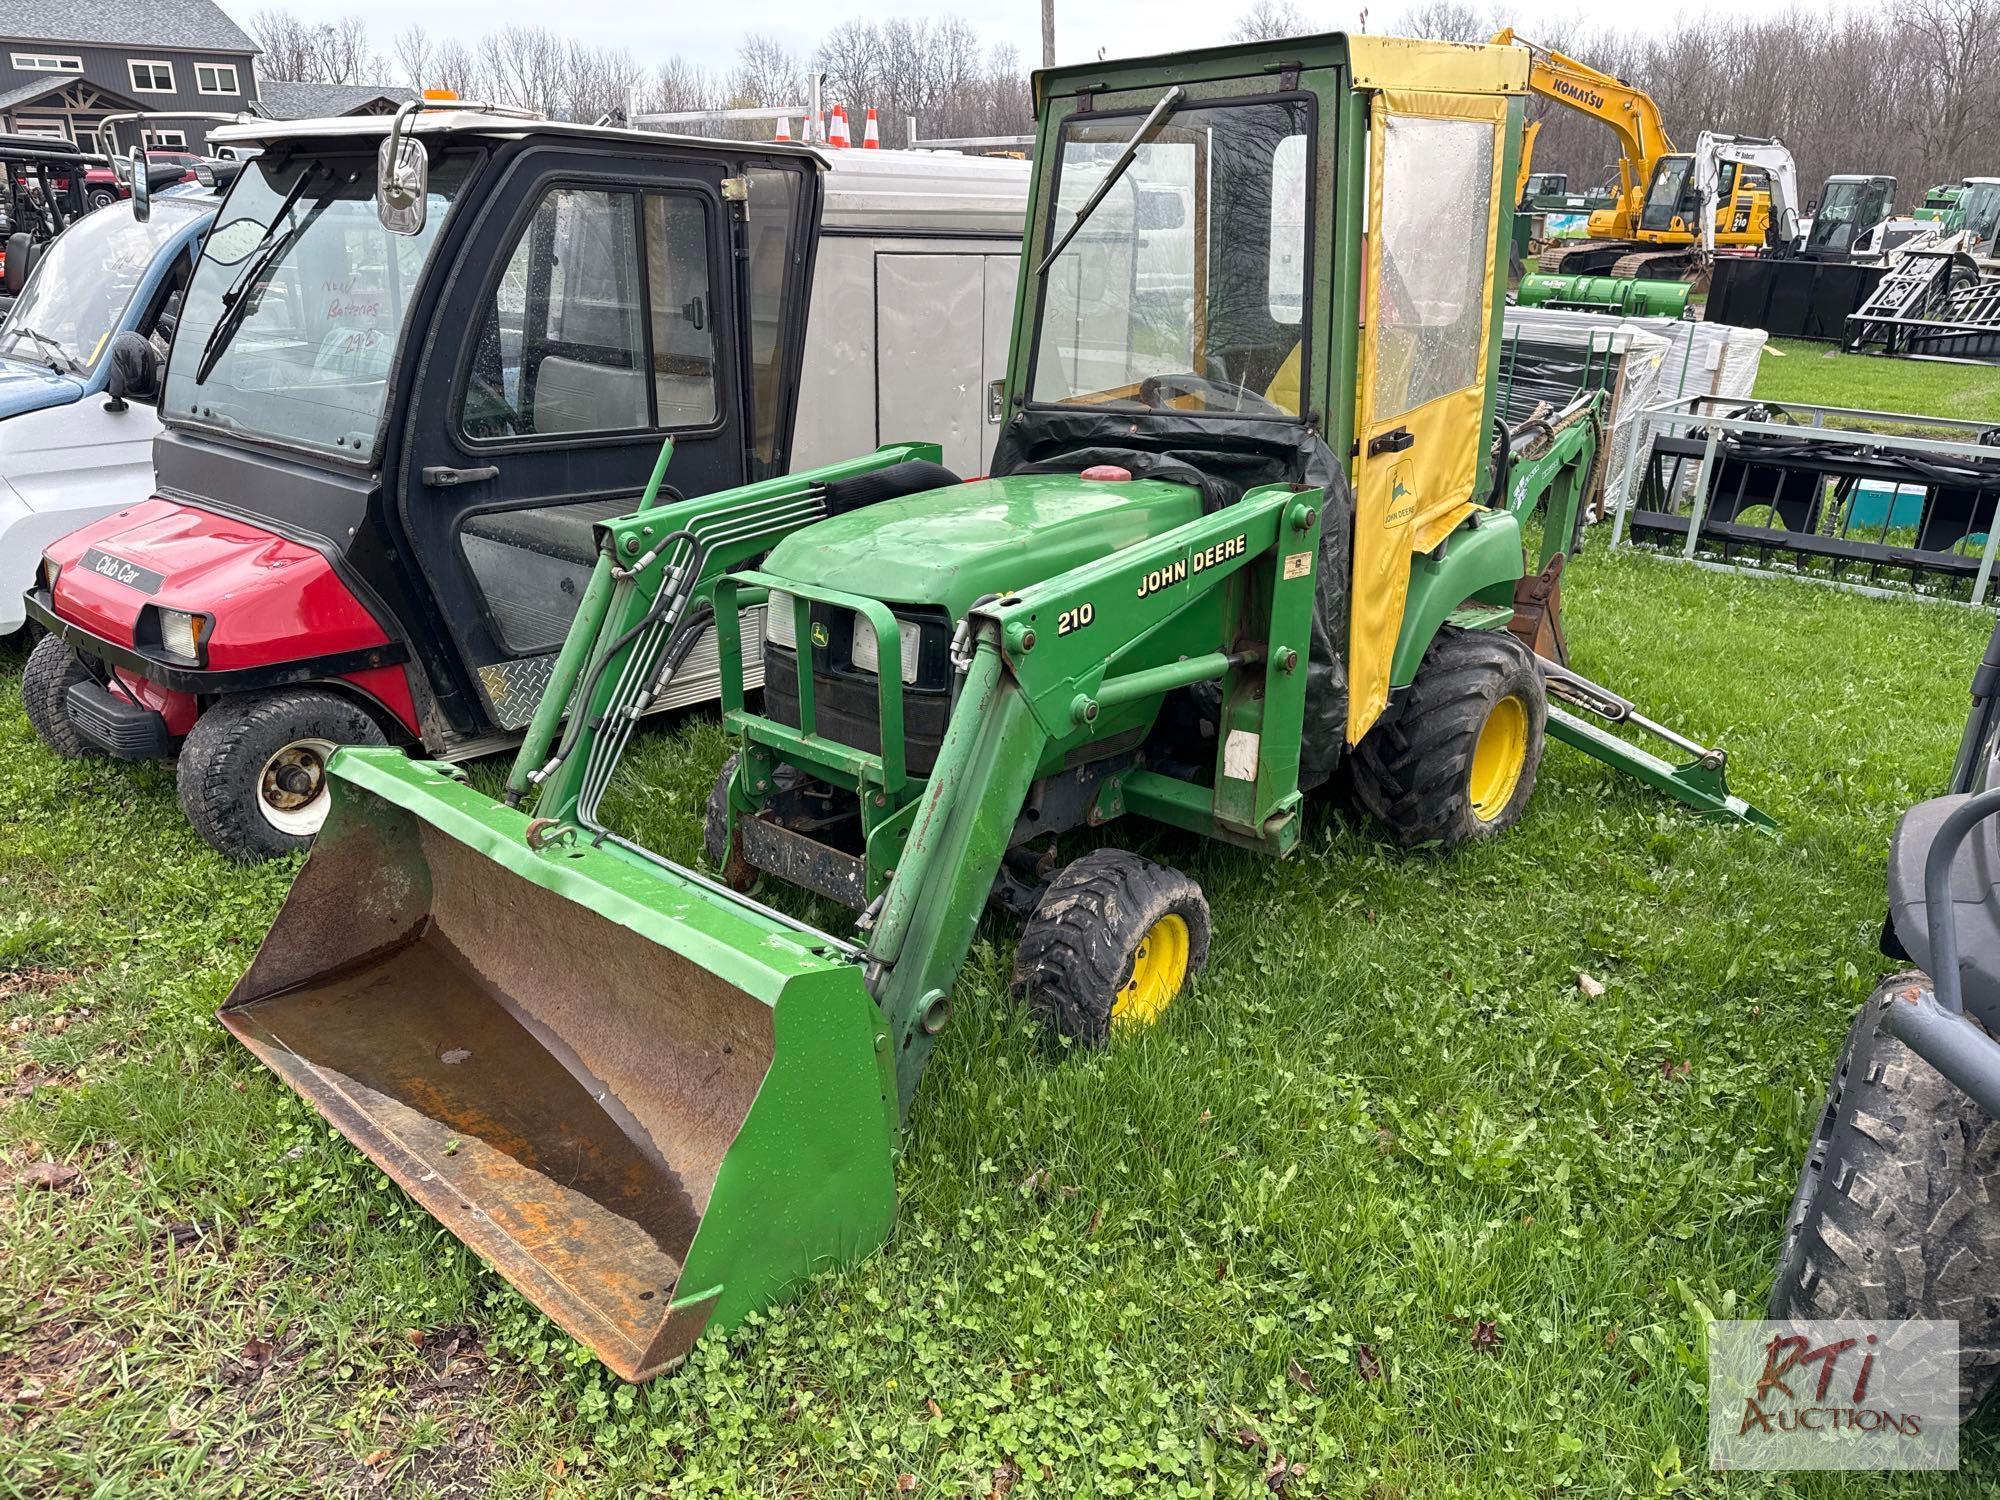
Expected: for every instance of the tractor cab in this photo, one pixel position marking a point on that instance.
(1849, 211)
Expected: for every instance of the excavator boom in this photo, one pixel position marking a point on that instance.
(1629, 112)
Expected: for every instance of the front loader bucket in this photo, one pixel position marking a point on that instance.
(648, 1105)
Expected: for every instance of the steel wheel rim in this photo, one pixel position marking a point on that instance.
(1159, 968)
(288, 809)
(1498, 758)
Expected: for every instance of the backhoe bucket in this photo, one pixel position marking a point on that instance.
(649, 1105)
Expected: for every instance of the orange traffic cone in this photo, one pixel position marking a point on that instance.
(837, 136)
(871, 138)
(784, 129)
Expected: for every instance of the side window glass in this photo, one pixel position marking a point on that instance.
(684, 333)
(562, 343)
(1431, 260)
(774, 197)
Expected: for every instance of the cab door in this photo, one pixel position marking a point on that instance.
(596, 313)
(1433, 230)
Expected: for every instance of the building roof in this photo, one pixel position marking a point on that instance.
(34, 88)
(194, 25)
(281, 100)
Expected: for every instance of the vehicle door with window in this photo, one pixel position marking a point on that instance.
(1433, 229)
(595, 319)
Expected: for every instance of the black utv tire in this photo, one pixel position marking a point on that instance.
(45, 683)
(1897, 1214)
(1416, 773)
(1088, 954)
(234, 761)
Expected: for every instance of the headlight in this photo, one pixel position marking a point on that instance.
(781, 625)
(181, 633)
(51, 571)
(867, 657)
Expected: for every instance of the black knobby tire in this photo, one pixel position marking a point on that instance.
(100, 198)
(222, 775)
(53, 667)
(1077, 951)
(1898, 1209)
(1414, 773)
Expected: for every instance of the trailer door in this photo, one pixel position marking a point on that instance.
(941, 330)
(1433, 232)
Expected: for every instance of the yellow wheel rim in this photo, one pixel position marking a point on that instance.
(1498, 758)
(1159, 967)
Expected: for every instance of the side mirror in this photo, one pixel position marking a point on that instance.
(142, 186)
(402, 179)
(20, 261)
(135, 371)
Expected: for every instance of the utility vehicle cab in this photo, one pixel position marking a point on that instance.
(421, 359)
(41, 195)
(67, 454)
(1852, 219)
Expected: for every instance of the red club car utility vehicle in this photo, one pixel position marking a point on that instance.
(421, 358)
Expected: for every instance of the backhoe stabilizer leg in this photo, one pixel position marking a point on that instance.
(1701, 782)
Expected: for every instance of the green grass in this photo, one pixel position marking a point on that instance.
(1386, 1116)
(1820, 375)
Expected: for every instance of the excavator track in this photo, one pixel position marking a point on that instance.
(1666, 265)
(1581, 257)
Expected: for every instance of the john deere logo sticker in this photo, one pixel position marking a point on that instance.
(819, 633)
(1402, 499)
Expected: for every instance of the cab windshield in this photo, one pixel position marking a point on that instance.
(82, 283)
(1848, 210)
(1979, 207)
(1185, 287)
(1668, 195)
(316, 334)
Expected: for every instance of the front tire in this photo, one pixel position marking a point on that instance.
(1459, 762)
(1897, 1213)
(719, 841)
(53, 668)
(252, 772)
(1112, 943)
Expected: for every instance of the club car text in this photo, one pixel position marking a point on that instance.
(1208, 557)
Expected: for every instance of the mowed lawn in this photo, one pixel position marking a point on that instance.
(1392, 1205)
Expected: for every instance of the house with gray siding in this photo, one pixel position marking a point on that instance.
(66, 64)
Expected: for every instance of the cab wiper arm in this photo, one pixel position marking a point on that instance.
(236, 300)
(1148, 128)
(56, 351)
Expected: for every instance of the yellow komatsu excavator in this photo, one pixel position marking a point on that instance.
(1653, 227)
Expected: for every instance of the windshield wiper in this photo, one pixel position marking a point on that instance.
(56, 350)
(236, 300)
(1148, 128)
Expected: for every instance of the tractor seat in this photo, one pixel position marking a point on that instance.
(1975, 896)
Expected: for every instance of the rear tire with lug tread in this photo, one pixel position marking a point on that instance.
(1898, 1209)
(252, 771)
(53, 666)
(1113, 940)
(1459, 762)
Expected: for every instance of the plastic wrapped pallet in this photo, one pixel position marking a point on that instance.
(1549, 355)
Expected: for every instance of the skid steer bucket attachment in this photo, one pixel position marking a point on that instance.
(650, 1105)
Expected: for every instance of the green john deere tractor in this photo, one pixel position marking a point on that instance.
(1247, 530)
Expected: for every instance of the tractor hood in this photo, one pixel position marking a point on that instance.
(950, 546)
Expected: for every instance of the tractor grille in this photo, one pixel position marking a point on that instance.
(847, 711)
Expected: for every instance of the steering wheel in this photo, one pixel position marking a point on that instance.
(1155, 391)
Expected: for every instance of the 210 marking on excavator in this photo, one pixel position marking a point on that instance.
(1208, 557)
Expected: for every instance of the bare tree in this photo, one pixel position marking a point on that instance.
(300, 51)
(1445, 21)
(1267, 20)
(415, 55)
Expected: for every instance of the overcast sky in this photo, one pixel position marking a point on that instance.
(708, 34)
